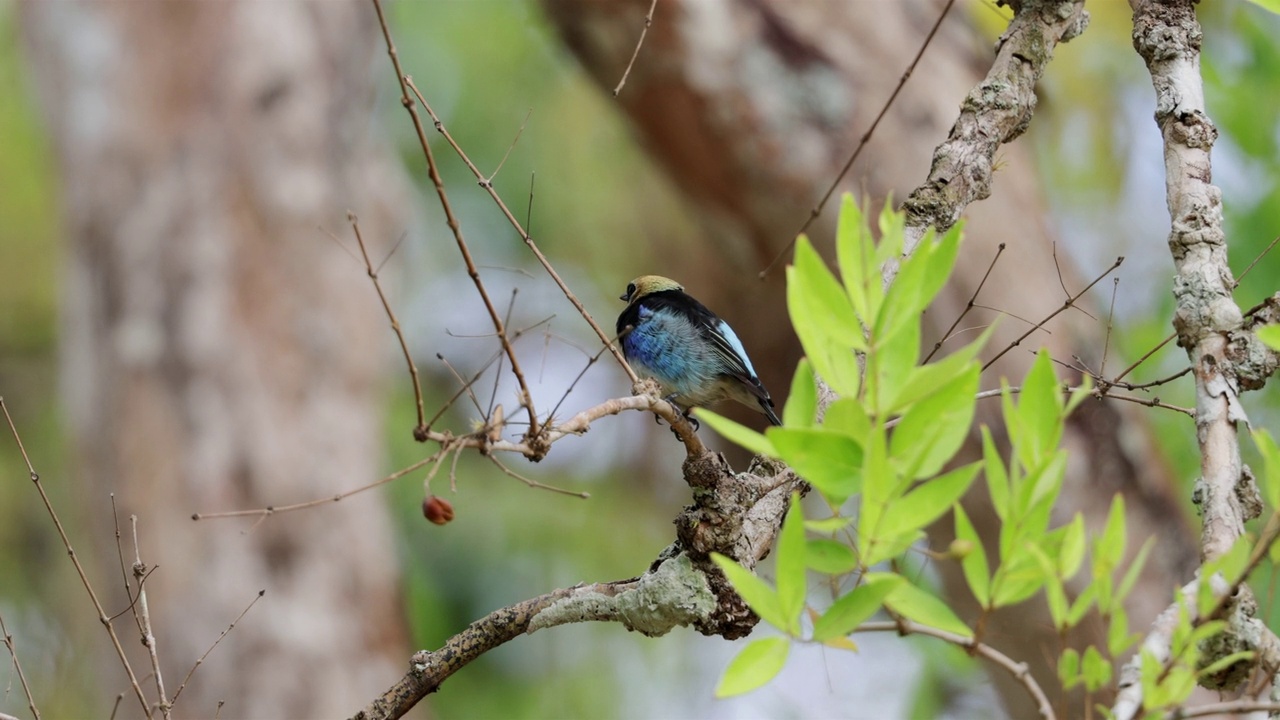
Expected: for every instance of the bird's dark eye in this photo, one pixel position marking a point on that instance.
(631, 290)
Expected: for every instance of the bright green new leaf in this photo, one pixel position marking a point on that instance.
(847, 416)
(893, 226)
(934, 428)
(856, 255)
(920, 507)
(902, 304)
(758, 663)
(830, 461)
(1038, 419)
(974, 563)
(1225, 662)
(1109, 548)
(890, 363)
(790, 565)
(1269, 334)
(997, 478)
(815, 291)
(756, 592)
(1151, 669)
(827, 342)
(1071, 554)
(1069, 669)
(1081, 605)
(1118, 637)
(856, 607)
(1018, 578)
(927, 379)
(1095, 669)
(737, 433)
(1270, 478)
(883, 547)
(879, 482)
(1054, 593)
(1135, 569)
(830, 557)
(923, 607)
(1274, 7)
(802, 403)
(828, 525)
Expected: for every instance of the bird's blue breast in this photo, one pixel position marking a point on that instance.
(667, 347)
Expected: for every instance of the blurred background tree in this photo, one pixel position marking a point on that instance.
(164, 241)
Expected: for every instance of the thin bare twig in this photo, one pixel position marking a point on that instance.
(1066, 304)
(272, 510)
(862, 142)
(452, 220)
(534, 483)
(1019, 671)
(75, 560)
(648, 21)
(22, 678)
(968, 306)
(510, 147)
(201, 659)
(419, 432)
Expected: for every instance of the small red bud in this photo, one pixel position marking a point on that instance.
(437, 510)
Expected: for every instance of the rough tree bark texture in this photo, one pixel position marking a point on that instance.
(754, 105)
(217, 344)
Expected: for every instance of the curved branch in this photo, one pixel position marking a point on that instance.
(1018, 670)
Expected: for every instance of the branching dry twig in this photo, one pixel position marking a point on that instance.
(526, 398)
(103, 618)
(223, 634)
(17, 666)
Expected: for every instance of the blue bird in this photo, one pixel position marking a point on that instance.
(694, 355)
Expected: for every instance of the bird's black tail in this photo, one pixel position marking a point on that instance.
(767, 406)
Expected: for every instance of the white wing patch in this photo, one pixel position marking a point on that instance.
(726, 333)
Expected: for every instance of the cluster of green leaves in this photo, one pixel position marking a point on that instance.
(886, 443)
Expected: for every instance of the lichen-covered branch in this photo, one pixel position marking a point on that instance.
(996, 111)
(1209, 325)
(734, 514)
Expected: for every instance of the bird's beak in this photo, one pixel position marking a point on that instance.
(624, 297)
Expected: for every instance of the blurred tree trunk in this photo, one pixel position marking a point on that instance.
(217, 347)
(753, 106)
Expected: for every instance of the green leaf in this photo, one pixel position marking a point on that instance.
(758, 663)
(853, 609)
(1118, 638)
(1095, 669)
(1069, 669)
(802, 403)
(1071, 555)
(828, 525)
(1272, 6)
(974, 563)
(847, 416)
(927, 379)
(830, 461)
(927, 503)
(737, 433)
(1109, 549)
(1080, 606)
(1135, 569)
(1269, 334)
(814, 291)
(856, 254)
(790, 565)
(754, 591)
(1270, 478)
(1225, 662)
(1037, 425)
(830, 557)
(933, 429)
(920, 606)
(1055, 594)
(1018, 578)
(883, 547)
(890, 362)
(997, 478)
